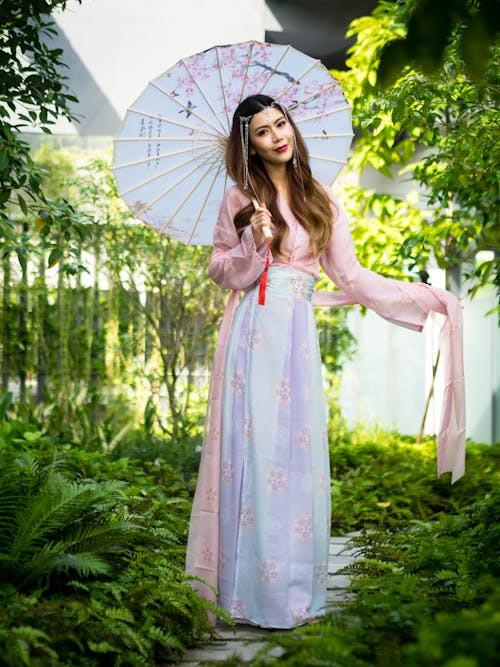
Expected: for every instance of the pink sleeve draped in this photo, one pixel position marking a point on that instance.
(235, 263)
(407, 305)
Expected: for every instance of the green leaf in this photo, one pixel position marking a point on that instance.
(4, 196)
(54, 257)
(21, 256)
(22, 204)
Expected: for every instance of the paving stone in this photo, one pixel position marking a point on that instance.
(246, 640)
(338, 581)
(240, 631)
(338, 562)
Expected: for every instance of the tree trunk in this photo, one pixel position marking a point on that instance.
(6, 323)
(429, 396)
(62, 375)
(148, 334)
(97, 350)
(22, 335)
(41, 325)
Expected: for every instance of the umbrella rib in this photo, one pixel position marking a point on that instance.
(186, 108)
(151, 139)
(273, 71)
(202, 94)
(245, 77)
(313, 96)
(166, 190)
(197, 222)
(170, 220)
(222, 88)
(167, 120)
(154, 177)
(295, 81)
(332, 135)
(346, 107)
(326, 159)
(150, 158)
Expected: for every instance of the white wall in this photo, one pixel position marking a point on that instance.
(114, 47)
(387, 381)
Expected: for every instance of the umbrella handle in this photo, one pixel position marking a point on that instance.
(263, 279)
(266, 231)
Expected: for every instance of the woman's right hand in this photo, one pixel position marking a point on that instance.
(260, 222)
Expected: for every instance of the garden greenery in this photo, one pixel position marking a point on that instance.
(91, 554)
(438, 132)
(424, 596)
(92, 543)
(106, 332)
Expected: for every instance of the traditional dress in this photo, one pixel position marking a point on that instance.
(260, 523)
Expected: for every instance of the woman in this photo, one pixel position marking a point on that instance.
(262, 506)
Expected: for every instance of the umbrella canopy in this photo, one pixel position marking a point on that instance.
(169, 157)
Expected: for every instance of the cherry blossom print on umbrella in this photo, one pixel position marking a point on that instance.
(169, 156)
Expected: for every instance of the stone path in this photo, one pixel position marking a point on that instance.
(246, 640)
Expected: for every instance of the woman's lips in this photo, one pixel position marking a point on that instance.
(281, 149)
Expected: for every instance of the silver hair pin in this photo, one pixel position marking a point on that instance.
(244, 122)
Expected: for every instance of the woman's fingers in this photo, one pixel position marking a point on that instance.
(261, 220)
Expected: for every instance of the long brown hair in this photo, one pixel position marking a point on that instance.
(308, 201)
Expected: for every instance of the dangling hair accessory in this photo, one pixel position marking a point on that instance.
(244, 123)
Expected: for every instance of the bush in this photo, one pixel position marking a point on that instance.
(380, 478)
(426, 596)
(91, 555)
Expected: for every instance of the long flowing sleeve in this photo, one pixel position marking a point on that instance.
(236, 263)
(408, 305)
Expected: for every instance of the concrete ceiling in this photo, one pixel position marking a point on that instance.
(317, 27)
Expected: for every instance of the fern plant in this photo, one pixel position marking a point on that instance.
(51, 526)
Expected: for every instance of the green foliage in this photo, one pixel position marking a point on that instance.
(33, 93)
(425, 596)
(52, 526)
(440, 130)
(380, 479)
(118, 309)
(91, 552)
(430, 30)
(428, 570)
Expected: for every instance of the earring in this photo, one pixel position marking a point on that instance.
(295, 156)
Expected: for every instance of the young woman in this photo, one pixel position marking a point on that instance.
(260, 525)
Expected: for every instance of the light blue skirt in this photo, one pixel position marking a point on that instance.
(275, 478)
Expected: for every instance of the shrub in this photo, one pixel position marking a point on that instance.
(425, 596)
(91, 556)
(380, 478)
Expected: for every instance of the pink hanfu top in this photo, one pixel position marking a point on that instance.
(237, 264)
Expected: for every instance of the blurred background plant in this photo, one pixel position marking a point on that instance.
(437, 126)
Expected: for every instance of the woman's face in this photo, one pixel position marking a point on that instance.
(271, 137)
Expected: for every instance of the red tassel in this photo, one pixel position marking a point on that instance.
(263, 279)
